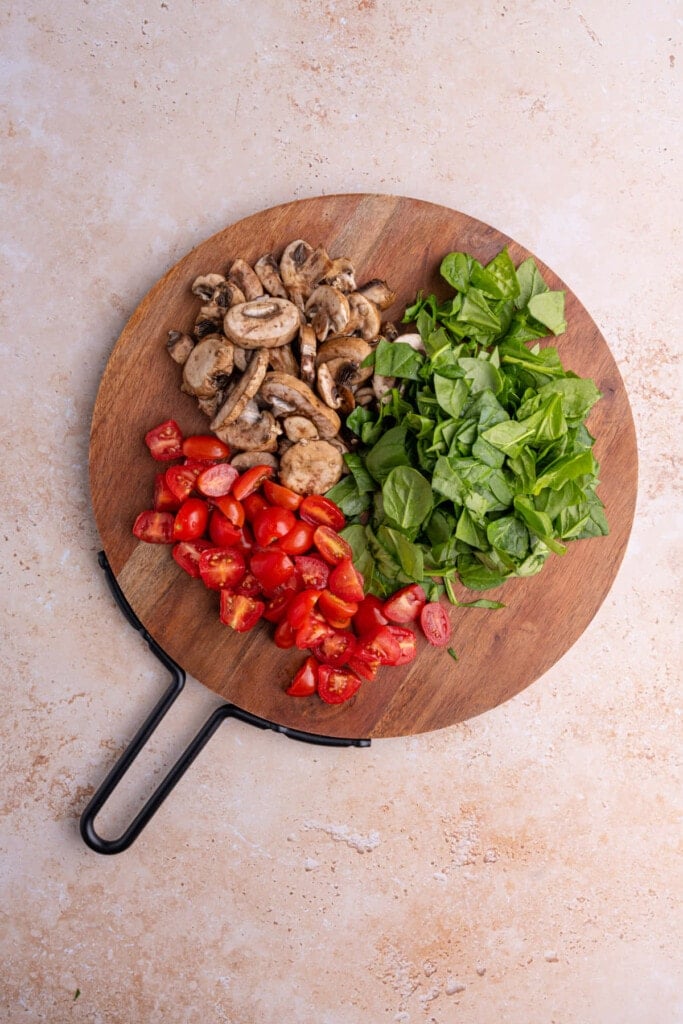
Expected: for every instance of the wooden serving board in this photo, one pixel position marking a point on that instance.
(500, 652)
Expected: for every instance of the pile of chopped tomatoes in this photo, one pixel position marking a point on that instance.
(275, 555)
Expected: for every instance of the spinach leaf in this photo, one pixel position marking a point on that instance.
(397, 359)
(407, 497)
(387, 453)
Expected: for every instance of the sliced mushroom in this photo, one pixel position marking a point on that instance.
(311, 467)
(209, 321)
(244, 278)
(209, 406)
(389, 331)
(382, 386)
(299, 428)
(283, 359)
(378, 292)
(208, 367)
(255, 430)
(364, 317)
(342, 275)
(204, 287)
(301, 268)
(268, 274)
(240, 391)
(245, 460)
(414, 340)
(241, 358)
(355, 350)
(331, 393)
(227, 294)
(300, 399)
(263, 323)
(347, 373)
(328, 310)
(365, 396)
(179, 346)
(308, 344)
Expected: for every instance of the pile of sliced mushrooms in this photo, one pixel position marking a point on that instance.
(276, 356)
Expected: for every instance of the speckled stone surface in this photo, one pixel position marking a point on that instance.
(524, 867)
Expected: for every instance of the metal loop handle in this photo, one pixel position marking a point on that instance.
(127, 838)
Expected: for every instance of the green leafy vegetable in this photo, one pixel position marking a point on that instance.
(478, 465)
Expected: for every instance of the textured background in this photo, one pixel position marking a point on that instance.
(523, 867)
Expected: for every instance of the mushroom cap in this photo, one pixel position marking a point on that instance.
(328, 310)
(300, 399)
(247, 434)
(266, 268)
(241, 391)
(378, 292)
(207, 367)
(243, 277)
(265, 322)
(205, 285)
(311, 467)
(365, 316)
(343, 346)
(300, 428)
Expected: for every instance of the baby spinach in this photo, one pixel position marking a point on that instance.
(478, 464)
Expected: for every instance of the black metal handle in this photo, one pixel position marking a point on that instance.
(105, 790)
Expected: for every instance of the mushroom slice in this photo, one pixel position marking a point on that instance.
(365, 396)
(239, 393)
(414, 340)
(311, 467)
(342, 275)
(308, 344)
(283, 359)
(378, 292)
(243, 277)
(265, 322)
(266, 268)
(354, 350)
(382, 386)
(179, 346)
(301, 268)
(245, 460)
(328, 310)
(389, 331)
(209, 406)
(301, 400)
(333, 393)
(241, 356)
(299, 428)
(209, 321)
(365, 317)
(208, 366)
(249, 434)
(227, 294)
(204, 287)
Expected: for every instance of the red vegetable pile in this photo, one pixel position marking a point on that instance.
(275, 555)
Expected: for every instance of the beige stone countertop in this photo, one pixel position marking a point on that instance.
(523, 867)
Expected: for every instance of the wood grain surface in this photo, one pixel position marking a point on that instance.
(500, 652)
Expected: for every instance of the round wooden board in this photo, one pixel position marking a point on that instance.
(500, 652)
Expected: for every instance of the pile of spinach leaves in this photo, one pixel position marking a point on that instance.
(478, 464)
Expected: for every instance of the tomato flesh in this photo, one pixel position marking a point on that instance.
(300, 607)
(187, 553)
(191, 519)
(164, 498)
(248, 585)
(336, 649)
(250, 481)
(205, 446)
(272, 524)
(276, 494)
(313, 631)
(165, 442)
(154, 527)
(305, 681)
(221, 568)
(346, 582)
(336, 685)
(407, 641)
(313, 571)
(366, 667)
(435, 624)
(406, 604)
(320, 511)
(381, 644)
(284, 636)
(337, 611)
(231, 508)
(216, 481)
(181, 481)
(239, 612)
(333, 548)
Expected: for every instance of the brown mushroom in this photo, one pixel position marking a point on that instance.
(227, 294)
(299, 428)
(301, 268)
(209, 321)
(266, 268)
(283, 359)
(239, 392)
(263, 323)
(344, 346)
(336, 395)
(254, 430)
(204, 287)
(308, 344)
(311, 467)
(364, 317)
(328, 310)
(244, 278)
(208, 367)
(245, 460)
(179, 346)
(378, 292)
(341, 275)
(298, 398)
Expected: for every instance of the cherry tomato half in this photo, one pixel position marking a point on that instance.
(276, 494)
(221, 568)
(407, 641)
(205, 446)
(248, 585)
(284, 636)
(305, 681)
(165, 442)
(222, 532)
(406, 604)
(187, 554)
(232, 509)
(313, 631)
(336, 649)
(181, 481)
(381, 644)
(313, 571)
(164, 498)
(300, 607)
(252, 505)
(367, 667)
(272, 524)
(331, 546)
(154, 527)
(250, 481)
(346, 582)
(239, 611)
(298, 540)
(335, 609)
(435, 624)
(321, 511)
(370, 615)
(216, 481)
(191, 519)
(271, 567)
(335, 685)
